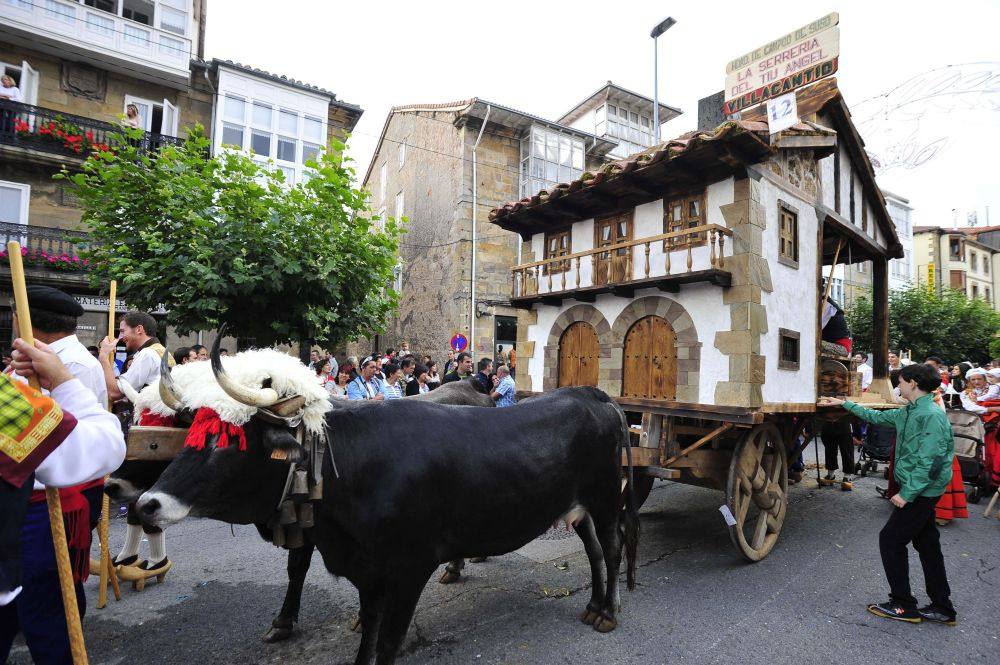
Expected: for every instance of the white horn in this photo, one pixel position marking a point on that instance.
(259, 397)
(168, 391)
(127, 390)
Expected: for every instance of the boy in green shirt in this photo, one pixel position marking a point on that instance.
(923, 461)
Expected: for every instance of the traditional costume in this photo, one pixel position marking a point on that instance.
(38, 439)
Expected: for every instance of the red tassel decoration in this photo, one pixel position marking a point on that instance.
(208, 423)
(150, 419)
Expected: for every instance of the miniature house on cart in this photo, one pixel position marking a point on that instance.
(686, 282)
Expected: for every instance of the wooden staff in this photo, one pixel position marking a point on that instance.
(102, 527)
(76, 644)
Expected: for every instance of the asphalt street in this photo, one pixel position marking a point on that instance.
(697, 600)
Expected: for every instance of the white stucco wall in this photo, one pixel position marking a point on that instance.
(792, 303)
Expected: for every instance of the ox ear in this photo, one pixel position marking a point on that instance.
(283, 445)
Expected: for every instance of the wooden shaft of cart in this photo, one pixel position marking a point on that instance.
(106, 573)
(77, 647)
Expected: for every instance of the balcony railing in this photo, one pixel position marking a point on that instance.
(45, 247)
(60, 133)
(626, 263)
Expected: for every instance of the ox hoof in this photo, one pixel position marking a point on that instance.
(449, 577)
(356, 625)
(605, 624)
(276, 634)
(590, 615)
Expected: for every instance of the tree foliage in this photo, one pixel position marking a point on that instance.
(223, 239)
(949, 326)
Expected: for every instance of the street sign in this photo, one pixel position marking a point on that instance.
(459, 342)
(782, 113)
(799, 58)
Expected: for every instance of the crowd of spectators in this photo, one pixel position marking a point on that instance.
(400, 373)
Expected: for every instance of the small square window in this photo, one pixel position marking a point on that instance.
(233, 109)
(232, 135)
(310, 152)
(312, 129)
(286, 149)
(288, 122)
(557, 244)
(261, 115)
(788, 349)
(260, 143)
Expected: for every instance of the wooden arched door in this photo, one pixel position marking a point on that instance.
(649, 369)
(579, 355)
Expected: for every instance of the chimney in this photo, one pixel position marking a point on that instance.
(710, 113)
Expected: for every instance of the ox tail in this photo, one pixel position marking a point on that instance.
(630, 513)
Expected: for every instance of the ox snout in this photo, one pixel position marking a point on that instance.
(121, 490)
(161, 509)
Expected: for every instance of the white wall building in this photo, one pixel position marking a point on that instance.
(901, 271)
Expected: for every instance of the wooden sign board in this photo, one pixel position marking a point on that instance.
(779, 62)
(781, 87)
(154, 444)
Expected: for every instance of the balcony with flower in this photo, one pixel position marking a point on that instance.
(50, 255)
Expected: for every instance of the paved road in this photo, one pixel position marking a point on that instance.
(697, 601)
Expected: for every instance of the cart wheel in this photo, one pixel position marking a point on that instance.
(757, 491)
(975, 494)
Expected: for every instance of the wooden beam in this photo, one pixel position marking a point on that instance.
(725, 427)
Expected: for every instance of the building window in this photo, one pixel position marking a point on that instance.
(382, 173)
(837, 290)
(986, 265)
(788, 349)
(975, 291)
(381, 219)
(686, 212)
(788, 236)
(14, 197)
(171, 19)
(310, 152)
(974, 261)
(557, 243)
(955, 249)
(60, 11)
(548, 158)
(401, 154)
(633, 131)
(861, 269)
(399, 205)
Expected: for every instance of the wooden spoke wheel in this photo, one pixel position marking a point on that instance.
(757, 491)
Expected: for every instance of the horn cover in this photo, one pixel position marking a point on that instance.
(259, 397)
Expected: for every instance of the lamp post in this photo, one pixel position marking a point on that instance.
(662, 27)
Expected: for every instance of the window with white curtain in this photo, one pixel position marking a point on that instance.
(401, 154)
(399, 205)
(383, 172)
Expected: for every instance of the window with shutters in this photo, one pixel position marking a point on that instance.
(557, 243)
(788, 236)
(684, 212)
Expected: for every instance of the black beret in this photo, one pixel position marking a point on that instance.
(53, 300)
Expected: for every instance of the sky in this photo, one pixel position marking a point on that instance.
(923, 86)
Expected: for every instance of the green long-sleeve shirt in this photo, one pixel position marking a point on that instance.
(925, 445)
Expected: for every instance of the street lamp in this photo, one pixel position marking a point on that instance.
(662, 27)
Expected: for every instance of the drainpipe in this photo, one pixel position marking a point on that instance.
(475, 216)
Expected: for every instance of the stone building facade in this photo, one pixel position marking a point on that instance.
(77, 65)
(422, 171)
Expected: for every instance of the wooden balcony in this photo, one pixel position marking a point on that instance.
(665, 261)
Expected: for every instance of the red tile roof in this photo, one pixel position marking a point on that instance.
(689, 143)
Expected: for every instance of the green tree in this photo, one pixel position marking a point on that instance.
(223, 239)
(950, 326)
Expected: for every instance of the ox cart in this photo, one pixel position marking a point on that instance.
(692, 282)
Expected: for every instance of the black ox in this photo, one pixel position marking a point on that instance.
(414, 489)
(134, 477)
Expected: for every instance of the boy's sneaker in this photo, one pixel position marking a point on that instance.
(937, 615)
(895, 611)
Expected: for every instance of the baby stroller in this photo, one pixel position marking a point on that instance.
(876, 446)
(970, 449)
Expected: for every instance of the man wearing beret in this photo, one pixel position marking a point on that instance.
(62, 440)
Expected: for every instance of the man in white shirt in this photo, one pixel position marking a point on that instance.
(63, 440)
(138, 331)
(865, 369)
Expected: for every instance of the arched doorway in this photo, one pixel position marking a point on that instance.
(649, 369)
(579, 355)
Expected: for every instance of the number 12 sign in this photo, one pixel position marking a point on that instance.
(782, 113)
